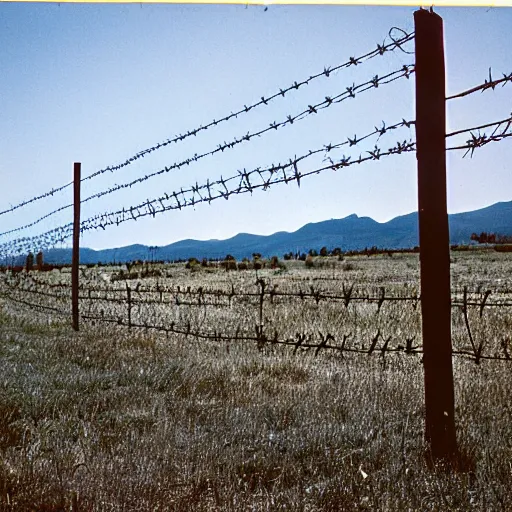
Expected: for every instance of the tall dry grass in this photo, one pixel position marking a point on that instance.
(112, 419)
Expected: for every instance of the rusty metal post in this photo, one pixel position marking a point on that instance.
(76, 244)
(434, 235)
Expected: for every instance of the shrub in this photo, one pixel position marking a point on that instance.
(192, 262)
(313, 252)
(309, 261)
(303, 257)
(204, 262)
(243, 265)
(257, 264)
(229, 264)
(39, 259)
(30, 261)
(337, 251)
(324, 252)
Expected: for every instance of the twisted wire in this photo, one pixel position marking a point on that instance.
(502, 130)
(353, 61)
(350, 92)
(488, 84)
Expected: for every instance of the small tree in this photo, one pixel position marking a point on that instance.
(30, 261)
(309, 261)
(337, 251)
(192, 263)
(229, 263)
(313, 252)
(324, 252)
(39, 260)
(258, 264)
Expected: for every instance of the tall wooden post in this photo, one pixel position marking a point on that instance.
(434, 235)
(76, 245)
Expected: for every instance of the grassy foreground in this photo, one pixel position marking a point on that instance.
(119, 420)
(97, 422)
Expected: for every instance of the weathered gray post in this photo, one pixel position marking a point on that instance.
(434, 235)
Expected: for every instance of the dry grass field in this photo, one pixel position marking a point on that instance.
(118, 419)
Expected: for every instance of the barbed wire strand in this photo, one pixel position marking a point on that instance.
(350, 92)
(306, 341)
(481, 139)
(327, 72)
(488, 84)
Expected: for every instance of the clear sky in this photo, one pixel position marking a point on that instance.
(98, 83)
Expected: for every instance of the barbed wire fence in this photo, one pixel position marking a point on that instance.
(350, 92)
(248, 181)
(436, 299)
(131, 303)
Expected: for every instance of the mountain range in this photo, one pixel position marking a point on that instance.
(349, 233)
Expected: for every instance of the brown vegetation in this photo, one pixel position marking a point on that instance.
(117, 419)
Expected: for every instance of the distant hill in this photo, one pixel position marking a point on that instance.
(350, 233)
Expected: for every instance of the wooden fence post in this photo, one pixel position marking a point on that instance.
(434, 235)
(76, 244)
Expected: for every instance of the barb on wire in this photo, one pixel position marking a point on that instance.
(396, 43)
(240, 183)
(488, 84)
(351, 91)
(502, 130)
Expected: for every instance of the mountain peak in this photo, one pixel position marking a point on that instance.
(350, 233)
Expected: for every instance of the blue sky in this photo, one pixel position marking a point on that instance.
(98, 83)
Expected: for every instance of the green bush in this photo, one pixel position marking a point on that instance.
(192, 262)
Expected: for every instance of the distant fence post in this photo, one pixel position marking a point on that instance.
(434, 235)
(76, 244)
